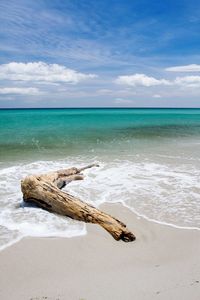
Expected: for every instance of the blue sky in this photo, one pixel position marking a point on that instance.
(99, 53)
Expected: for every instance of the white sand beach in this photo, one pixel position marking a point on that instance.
(163, 263)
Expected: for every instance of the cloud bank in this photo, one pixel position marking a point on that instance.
(188, 81)
(41, 72)
(146, 81)
(19, 91)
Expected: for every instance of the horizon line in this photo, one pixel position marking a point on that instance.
(100, 107)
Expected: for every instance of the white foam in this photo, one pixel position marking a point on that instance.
(166, 193)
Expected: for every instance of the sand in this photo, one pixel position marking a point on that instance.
(163, 263)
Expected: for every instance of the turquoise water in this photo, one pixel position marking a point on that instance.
(149, 161)
(48, 133)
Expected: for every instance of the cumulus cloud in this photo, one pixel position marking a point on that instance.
(146, 81)
(188, 81)
(187, 68)
(41, 72)
(140, 80)
(19, 91)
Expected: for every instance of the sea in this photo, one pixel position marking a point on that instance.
(149, 161)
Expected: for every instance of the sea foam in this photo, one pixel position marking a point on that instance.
(164, 192)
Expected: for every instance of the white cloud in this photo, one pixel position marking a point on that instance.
(187, 68)
(156, 96)
(20, 91)
(144, 80)
(140, 80)
(41, 72)
(122, 101)
(188, 81)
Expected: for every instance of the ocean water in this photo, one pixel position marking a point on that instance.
(149, 161)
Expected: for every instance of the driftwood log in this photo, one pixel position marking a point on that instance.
(45, 191)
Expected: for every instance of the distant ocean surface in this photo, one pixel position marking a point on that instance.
(149, 161)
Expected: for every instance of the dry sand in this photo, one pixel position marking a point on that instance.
(163, 263)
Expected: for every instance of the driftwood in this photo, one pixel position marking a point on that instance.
(45, 191)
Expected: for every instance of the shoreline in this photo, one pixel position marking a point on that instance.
(105, 204)
(138, 215)
(162, 263)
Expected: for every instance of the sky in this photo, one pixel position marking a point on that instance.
(108, 53)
